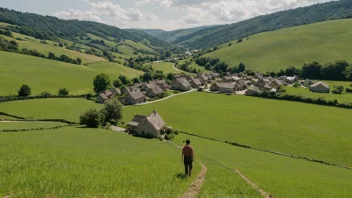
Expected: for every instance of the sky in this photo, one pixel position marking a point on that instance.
(156, 14)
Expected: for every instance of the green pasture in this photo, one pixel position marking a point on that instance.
(271, 51)
(192, 65)
(289, 127)
(78, 162)
(52, 108)
(166, 67)
(48, 75)
(27, 125)
(136, 45)
(114, 70)
(3, 117)
(58, 51)
(345, 97)
(109, 43)
(277, 175)
(127, 51)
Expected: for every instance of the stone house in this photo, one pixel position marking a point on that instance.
(195, 83)
(320, 87)
(227, 79)
(203, 78)
(223, 87)
(149, 126)
(101, 98)
(253, 91)
(276, 83)
(180, 84)
(134, 97)
(260, 83)
(154, 92)
(107, 95)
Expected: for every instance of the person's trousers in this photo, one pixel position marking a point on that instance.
(188, 164)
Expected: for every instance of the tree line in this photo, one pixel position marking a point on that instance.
(214, 64)
(338, 71)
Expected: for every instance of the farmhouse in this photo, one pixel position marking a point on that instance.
(150, 126)
(154, 92)
(223, 87)
(195, 83)
(108, 94)
(203, 78)
(260, 83)
(134, 97)
(276, 83)
(320, 87)
(101, 98)
(227, 79)
(180, 84)
(253, 91)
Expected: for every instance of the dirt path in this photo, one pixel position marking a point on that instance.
(196, 186)
(186, 92)
(255, 186)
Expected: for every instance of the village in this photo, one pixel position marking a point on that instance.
(154, 126)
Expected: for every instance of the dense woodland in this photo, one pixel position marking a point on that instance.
(50, 28)
(214, 36)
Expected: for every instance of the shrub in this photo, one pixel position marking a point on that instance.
(45, 94)
(349, 90)
(25, 91)
(338, 89)
(169, 136)
(117, 83)
(297, 84)
(176, 132)
(281, 89)
(63, 92)
(92, 118)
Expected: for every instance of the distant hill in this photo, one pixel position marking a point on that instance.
(49, 28)
(213, 36)
(271, 51)
(172, 36)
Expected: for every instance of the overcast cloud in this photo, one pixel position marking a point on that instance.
(162, 14)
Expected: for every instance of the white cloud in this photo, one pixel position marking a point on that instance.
(78, 14)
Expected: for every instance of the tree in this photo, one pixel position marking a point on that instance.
(168, 54)
(45, 94)
(170, 77)
(101, 83)
(92, 118)
(113, 110)
(51, 56)
(338, 89)
(24, 91)
(8, 33)
(79, 61)
(240, 40)
(117, 83)
(241, 67)
(125, 80)
(230, 44)
(61, 45)
(136, 80)
(63, 92)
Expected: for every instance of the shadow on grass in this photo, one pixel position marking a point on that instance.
(181, 176)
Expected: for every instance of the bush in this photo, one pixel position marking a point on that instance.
(25, 91)
(338, 89)
(281, 89)
(45, 94)
(297, 84)
(63, 92)
(169, 136)
(92, 118)
(349, 90)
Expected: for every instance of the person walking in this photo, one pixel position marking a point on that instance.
(188, 157)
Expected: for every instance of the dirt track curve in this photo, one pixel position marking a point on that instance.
(196, 186)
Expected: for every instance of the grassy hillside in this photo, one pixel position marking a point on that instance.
(76, 162)
(293, 128)
(166, 67)
(47, 75)
(136, 45)
(53, 108)
(214, 36)
(277, 175)
(295, 46)
(114, 70)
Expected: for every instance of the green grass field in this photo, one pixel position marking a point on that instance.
(27, 125)
(192, 65)
(47, 75)
(6, 117)
(345, 97)
(58, 51)
(53, 108)
(166, 67)
(271, 51)
(289, 127)
(76, 162)
(136, 45)
(114, 70)
(277, 175)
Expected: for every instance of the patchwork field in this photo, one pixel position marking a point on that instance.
(57, 108)
(277, 175)
(272, 51)
(27, 125)
(114, 70)
(289, 127)
(166, 67)
(76, 162)
(47, 75)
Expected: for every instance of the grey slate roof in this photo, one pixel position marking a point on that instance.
(320, 83)
(156, 90)
(136, 94)
(183, 82)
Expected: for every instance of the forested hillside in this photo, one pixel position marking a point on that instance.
(49, 28)
(214, 36)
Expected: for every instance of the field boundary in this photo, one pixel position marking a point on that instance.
(32, 129)
(9, 98)
(269, 151)
(18, 118)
